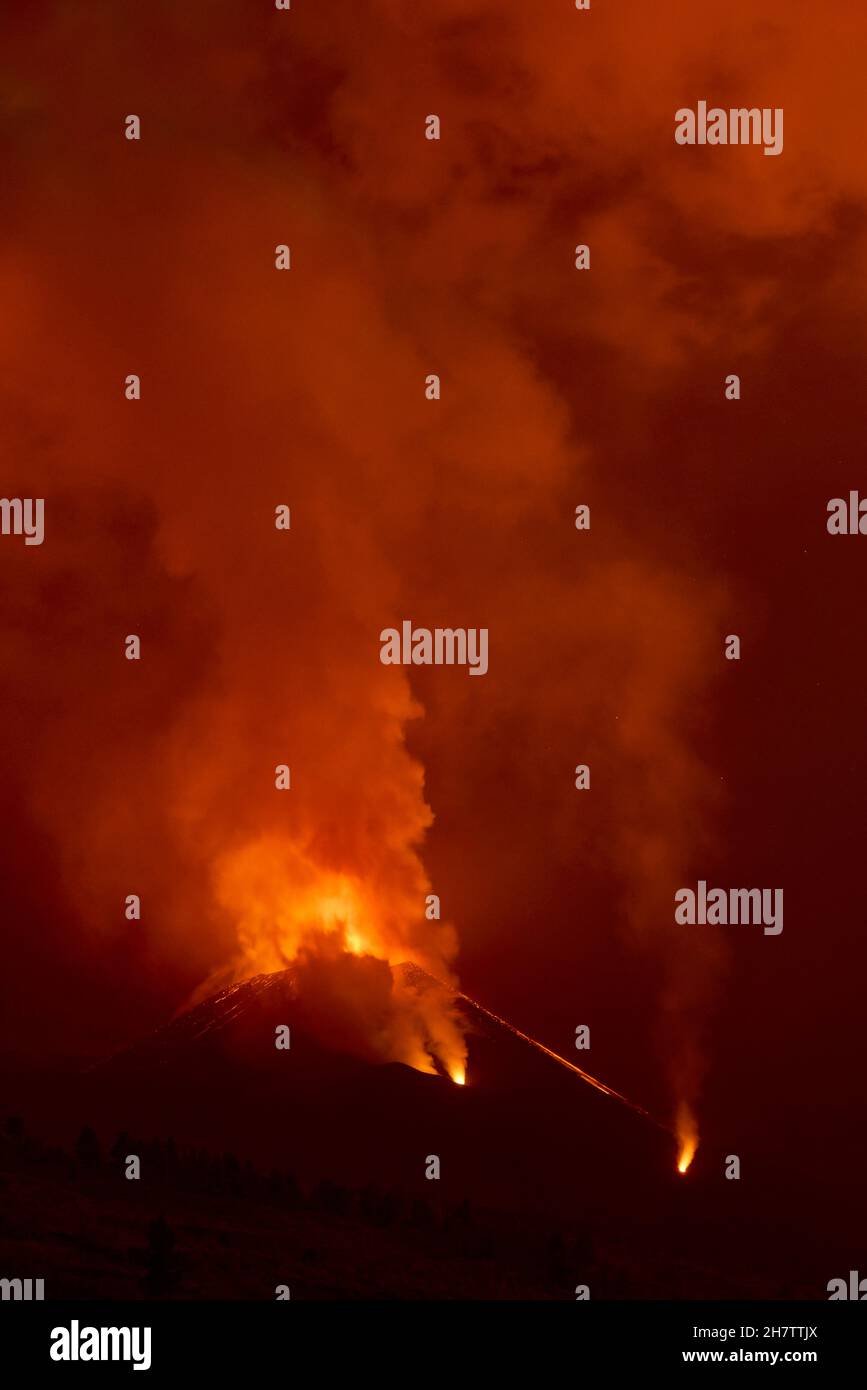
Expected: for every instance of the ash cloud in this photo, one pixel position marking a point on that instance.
(307, 388)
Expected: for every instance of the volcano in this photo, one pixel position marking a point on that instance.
(526, 1145)
(521, 1129)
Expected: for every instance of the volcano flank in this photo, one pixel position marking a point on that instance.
(214, 1074)
(524, 1144)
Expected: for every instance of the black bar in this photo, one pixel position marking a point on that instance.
(227, 1339)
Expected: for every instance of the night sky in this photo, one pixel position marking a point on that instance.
(559, 388)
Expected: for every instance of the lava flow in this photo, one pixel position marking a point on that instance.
(687, 1135)
(585, 1076)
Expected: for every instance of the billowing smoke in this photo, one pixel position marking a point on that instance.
(306, 389)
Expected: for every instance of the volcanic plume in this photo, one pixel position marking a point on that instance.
(305, 389)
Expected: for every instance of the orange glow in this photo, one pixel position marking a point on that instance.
(540, 1047)
(289, 908)
(687, 1135)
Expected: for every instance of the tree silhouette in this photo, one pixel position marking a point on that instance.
(160, 1264)
(87, 1150)
(120, 1148)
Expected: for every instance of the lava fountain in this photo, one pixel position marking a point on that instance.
(687, 1137)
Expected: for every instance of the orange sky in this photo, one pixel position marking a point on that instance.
(559, 387)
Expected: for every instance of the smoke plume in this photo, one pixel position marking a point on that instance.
(306, 389)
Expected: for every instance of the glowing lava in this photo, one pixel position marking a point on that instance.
(687, 1135)
(342, 929)
(555, 1056)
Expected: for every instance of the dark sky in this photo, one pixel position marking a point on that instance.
(559, 387)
